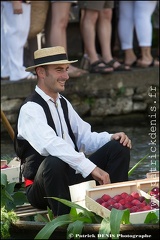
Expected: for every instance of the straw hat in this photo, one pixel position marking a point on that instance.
(48, 56)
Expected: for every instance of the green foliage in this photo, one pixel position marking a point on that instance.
(137, 164)
(74, 228)
(9, 200)
(7, 217)
(105, 227)
(116, 218)
(75, 221)
(152, 217)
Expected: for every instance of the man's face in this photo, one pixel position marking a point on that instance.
(54, 77)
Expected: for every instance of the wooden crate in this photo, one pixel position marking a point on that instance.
(141, 186)
(12, 171)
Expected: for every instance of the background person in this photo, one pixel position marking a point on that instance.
(15, 25)
(96, 20)
(136, 15)
(58, 30)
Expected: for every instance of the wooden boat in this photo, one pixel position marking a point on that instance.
(24, 229)
(29, 230)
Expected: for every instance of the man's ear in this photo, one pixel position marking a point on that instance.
(40, 71)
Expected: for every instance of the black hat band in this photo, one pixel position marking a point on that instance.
(48, 59)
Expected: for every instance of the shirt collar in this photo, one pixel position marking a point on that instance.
(44, 95)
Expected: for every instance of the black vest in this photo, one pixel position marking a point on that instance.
(30, 158)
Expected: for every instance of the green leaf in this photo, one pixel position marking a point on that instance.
(105, 229)
(3, 179)
(8, 196)
(10, 205)
(97, 218)
(75, 229)
(87, 213)
(80, 216)
(10, 187)
(84, 219)
(50, 214)
(73, 212)
(40, 218)
(7, 200)
(116, 218)
(152, 217)
(49, 228)
(136, 165)
(126, 216)
(19, 198)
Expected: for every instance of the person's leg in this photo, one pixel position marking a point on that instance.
(104, 30)
(142, 15)
(51, 180)
(114, 158)
(126, 30)
(58, 32)
(54, 176)
(16, 37)
(59, 23)
(156, 28)
(5, 73)
(88, 30)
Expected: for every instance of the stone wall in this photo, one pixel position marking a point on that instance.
(95, 97)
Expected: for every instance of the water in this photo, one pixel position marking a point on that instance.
(142, 146)
(136, 130)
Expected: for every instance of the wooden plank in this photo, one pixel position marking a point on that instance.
(28, 210)
(94, 228)
(26, 214)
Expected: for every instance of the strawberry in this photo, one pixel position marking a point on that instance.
(135, 202)
(99, 200)
(109, 207)
(117, 205)
(122, 201)
(124, 195)
(117, 198)
(145, 208)
(129, 198)
(106, 197)
(4, 166)
(105, 204)
(134, 209)
(154, 191)
(141, 205)
(128, 205)
(135, 195)
(111, 201)
(141, 198)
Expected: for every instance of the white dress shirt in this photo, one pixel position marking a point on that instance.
(32, 126)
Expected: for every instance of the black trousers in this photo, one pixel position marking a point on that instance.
(54, 176)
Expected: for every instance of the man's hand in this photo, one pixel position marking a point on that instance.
(100, 176)
(123, 138)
